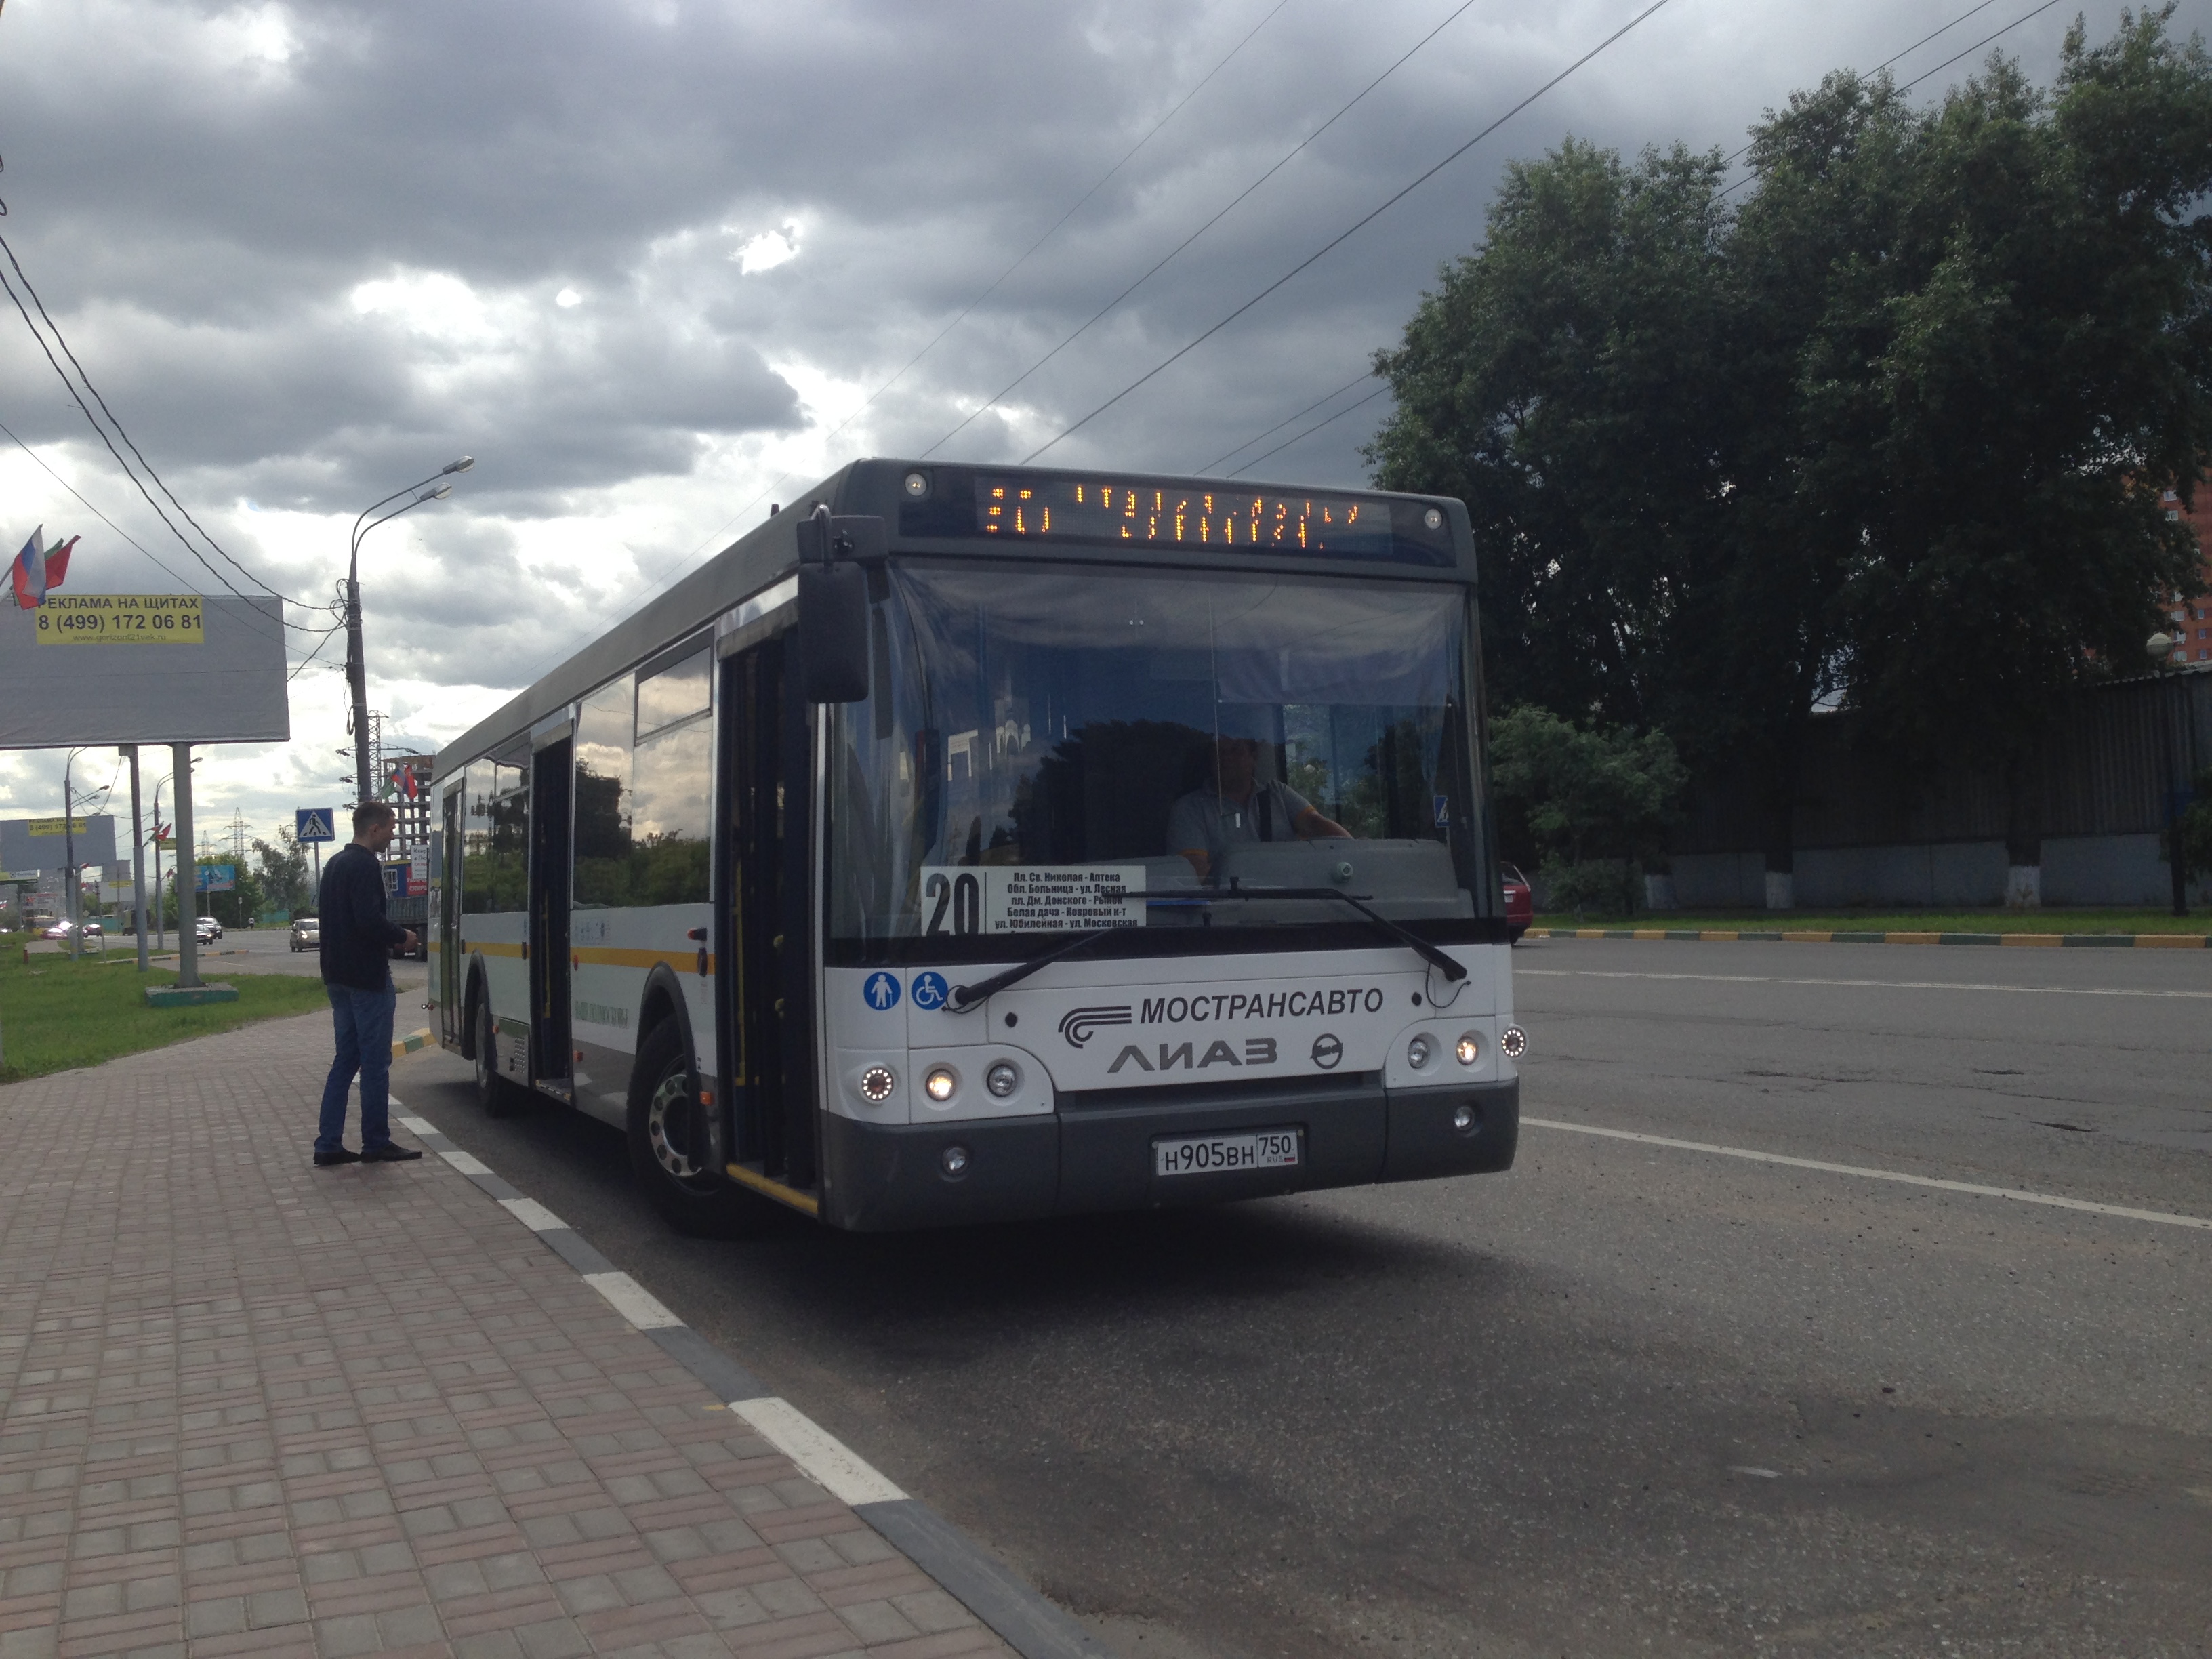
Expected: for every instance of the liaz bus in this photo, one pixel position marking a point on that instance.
(971, 844)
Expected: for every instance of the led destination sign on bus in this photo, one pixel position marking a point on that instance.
(1139, 513)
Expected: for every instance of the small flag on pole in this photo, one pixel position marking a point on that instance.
(38, 570)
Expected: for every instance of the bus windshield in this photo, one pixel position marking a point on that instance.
(1048, 750)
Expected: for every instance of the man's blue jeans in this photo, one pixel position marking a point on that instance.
(363, 1019)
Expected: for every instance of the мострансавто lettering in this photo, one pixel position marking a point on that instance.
(1222, 1006)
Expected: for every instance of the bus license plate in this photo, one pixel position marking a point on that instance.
(1263, 1149)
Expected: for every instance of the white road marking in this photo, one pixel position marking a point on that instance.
(2016, 1194)
(532, 1214)
(825, 1458)
(466, 1164)
(1747, 1468)
(421, 1126)
(632, 1301)
(1878, 984)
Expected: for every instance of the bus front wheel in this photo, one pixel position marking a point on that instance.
(670, 1148)
(494, 1093)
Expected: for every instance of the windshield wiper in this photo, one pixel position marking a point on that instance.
(967, 998)
(1412, 942)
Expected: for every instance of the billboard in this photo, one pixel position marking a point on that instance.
(40, 844)
(113, 668)
(217, 878)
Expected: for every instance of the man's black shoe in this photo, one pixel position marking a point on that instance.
(324, 1160)
(389, 1152)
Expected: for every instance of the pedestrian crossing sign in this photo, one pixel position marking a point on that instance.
(313, 824)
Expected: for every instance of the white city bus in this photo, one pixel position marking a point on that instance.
(974, 843)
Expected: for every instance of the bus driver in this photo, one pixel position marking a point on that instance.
(1239, 808)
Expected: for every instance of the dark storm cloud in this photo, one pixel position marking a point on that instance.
(311, 250)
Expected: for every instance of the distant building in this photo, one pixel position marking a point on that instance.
(2191, 623)
(405, 787)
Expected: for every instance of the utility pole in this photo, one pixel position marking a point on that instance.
(188, 944)
(137, 859)
(435, 487)
(71, 900)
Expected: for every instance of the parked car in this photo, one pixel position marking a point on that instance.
(206, 929)
(61, 929)
(1520, 903)
(306, 933)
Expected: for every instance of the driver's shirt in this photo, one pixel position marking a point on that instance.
(1203, 821)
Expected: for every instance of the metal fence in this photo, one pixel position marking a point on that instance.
(2105, 767)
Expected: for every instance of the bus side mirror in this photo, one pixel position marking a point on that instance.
(833, 604)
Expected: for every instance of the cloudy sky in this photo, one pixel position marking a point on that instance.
(653, 262)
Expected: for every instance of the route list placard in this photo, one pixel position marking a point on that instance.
(997, 898)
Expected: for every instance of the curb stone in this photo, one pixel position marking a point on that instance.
(1840, 936)
(1022, 1618)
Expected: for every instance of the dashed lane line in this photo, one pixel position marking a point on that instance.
(2015, 1194)
(1875, 984)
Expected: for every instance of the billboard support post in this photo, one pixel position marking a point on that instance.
(188, 941)
(72, 897)
(137, 859)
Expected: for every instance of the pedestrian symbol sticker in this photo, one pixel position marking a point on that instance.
(929, 990)
(1442, 805)
(882, 991)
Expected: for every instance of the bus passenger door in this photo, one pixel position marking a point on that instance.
(552, 784)
(447, 875)
(767, 1007)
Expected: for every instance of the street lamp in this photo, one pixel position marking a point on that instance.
(432, 489)
(2161, 646)
(160, 912)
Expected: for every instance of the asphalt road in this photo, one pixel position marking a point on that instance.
(1628, 1398)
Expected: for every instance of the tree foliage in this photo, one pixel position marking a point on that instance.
(1889, 429)
(1587, 806)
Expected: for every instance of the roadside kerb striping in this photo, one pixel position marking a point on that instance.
(1845, 936)
(418, 1038)
(1029, 1624)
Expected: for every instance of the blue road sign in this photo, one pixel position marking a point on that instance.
(313, 824)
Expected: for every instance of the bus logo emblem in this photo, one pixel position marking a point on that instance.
(1078, 1024)
(1328, 1049)
(929, 991)
(882, 991)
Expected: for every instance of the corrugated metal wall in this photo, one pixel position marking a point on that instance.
(2109, 760)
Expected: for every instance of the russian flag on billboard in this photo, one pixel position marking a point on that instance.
(38, 569)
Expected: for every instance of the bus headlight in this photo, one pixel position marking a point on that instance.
(1468, 1049)
(876, 1084)
(1514, 1042)
(1419, 1052)
(939, 1084)
(1003, 1078)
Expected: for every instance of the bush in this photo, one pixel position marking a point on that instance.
(1606, 886)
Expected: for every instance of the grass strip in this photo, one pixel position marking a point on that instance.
(56, 1014)
(2116, 922)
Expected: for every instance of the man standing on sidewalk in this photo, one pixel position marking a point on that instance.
(357, 957)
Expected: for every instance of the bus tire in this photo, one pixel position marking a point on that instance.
(662, 1122)
(496, 1094)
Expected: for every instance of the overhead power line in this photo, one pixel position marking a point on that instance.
(1328, 421)
(1290, 154)
(1263, 437)
(1344, 235)
(967, 311)
(60, 339)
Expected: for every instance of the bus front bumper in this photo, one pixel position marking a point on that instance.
(1091, 1156)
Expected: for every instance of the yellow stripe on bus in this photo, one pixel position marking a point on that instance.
(804, 1202)
(493, 949)
(610, 956)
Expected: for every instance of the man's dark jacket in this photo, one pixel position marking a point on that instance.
(357, 940)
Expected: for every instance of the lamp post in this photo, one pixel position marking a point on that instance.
(2161, 646)
(432, 489)
(160, 913)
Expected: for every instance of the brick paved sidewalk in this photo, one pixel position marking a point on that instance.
(247, 1406)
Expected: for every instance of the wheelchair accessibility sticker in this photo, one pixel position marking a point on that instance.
(881, 991)
(930, 991)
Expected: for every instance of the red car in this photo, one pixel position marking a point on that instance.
(1520, 903)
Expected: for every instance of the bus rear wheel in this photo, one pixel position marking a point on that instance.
(494, 1093)
(669, 1146)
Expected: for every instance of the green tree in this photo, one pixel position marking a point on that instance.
(1891, 433)
(1590, 805)
(285, 881)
